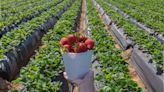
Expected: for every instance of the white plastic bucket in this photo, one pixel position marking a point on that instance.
(77, 64)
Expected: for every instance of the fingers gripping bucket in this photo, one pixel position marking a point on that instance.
(77, 64)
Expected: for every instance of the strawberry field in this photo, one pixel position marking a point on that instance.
(127, 44)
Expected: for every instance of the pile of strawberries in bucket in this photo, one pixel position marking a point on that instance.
(73, 43)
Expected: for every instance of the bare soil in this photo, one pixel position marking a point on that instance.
(132, 72)
(83, 18)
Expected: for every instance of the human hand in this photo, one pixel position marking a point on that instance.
(86, 84)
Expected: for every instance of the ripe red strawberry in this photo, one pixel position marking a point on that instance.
(82, 39)
(83, 47)
(77, 50)
(68, 47)
(64, 41)
(90, 43)
(77, 45)
(72, 38)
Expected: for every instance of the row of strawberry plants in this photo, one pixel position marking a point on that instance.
(18, 7)
(29, 11)
(22, 8)
(143, 5)
(152, 19)
(149, 30)
(39, 74)
(6, 4)
(12, 39)
(114, 70)
(12, 2)
(19, 56)
(13, 7)
(139, 36)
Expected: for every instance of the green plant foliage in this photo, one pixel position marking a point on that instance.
(38, 75)
(28, 8)
(139, 36)
(12, 39)
(114, 70)
(150, 12)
